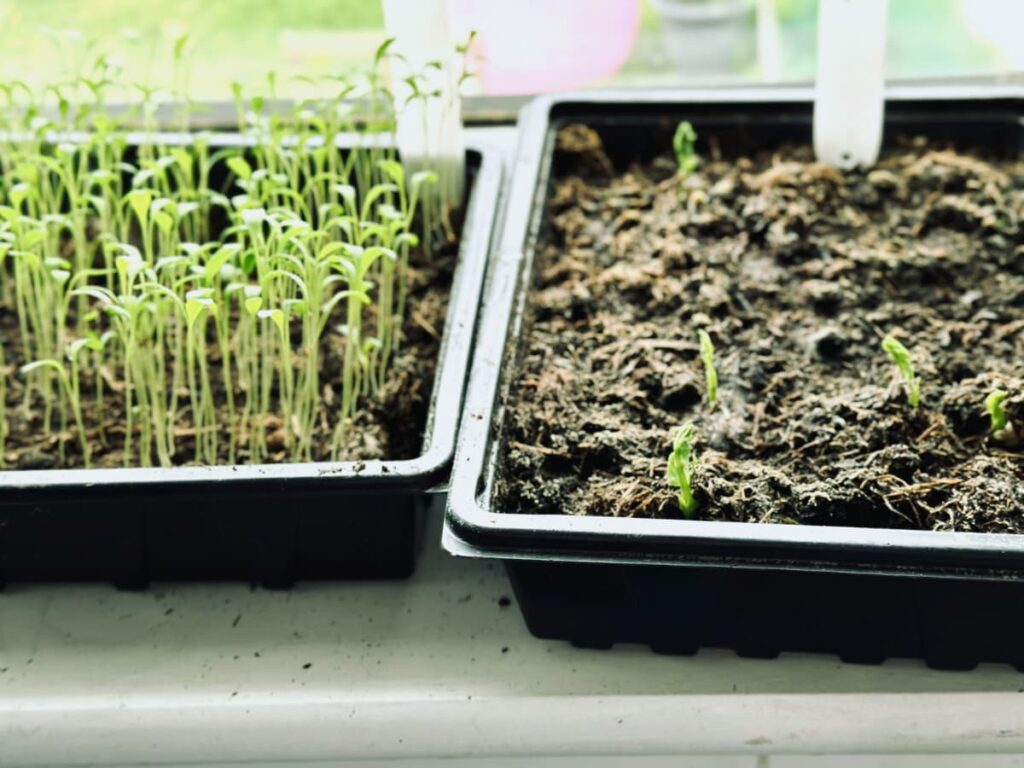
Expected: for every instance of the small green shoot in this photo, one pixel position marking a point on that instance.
(707, 356)
(682, 464)
(900, 355)
(72, 393)
(1003, 430)
(682, 144)
(994, 406)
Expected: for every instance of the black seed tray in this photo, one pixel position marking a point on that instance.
(953, 599)
(267, 524)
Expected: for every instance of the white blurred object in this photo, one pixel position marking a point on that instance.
(709, 39)
(849, 103)
(769, 42)
(579, 43)
(429, 130)
(996, 23)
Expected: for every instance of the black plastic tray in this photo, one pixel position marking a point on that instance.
(954, 599)
(268, 524)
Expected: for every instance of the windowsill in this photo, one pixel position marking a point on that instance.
(432, 667)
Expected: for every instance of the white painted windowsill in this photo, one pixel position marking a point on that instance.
(435, 667)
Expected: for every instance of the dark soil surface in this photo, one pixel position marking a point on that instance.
(389, 425)
(797, 271)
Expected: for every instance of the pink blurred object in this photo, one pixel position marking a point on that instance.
(531, 46)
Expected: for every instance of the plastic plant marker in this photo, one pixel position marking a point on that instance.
(849, 102)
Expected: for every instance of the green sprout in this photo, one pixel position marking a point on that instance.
(683, 142)
(71, 391)
(682, 464)
(707, 356)
(1002, 429)
(900, 355)
(996, 413)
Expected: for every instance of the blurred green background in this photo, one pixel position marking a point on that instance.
(244, 39)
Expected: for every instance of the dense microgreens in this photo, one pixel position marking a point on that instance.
(682, 464)
(900, 356)
(204, 305)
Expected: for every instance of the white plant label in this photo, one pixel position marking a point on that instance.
(849, 102)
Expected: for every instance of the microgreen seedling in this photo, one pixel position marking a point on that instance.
(900, 355)
(70, 391)
(707, 356)
(683, 142)
(994, 406)
(1002, 429)
(682, 464)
